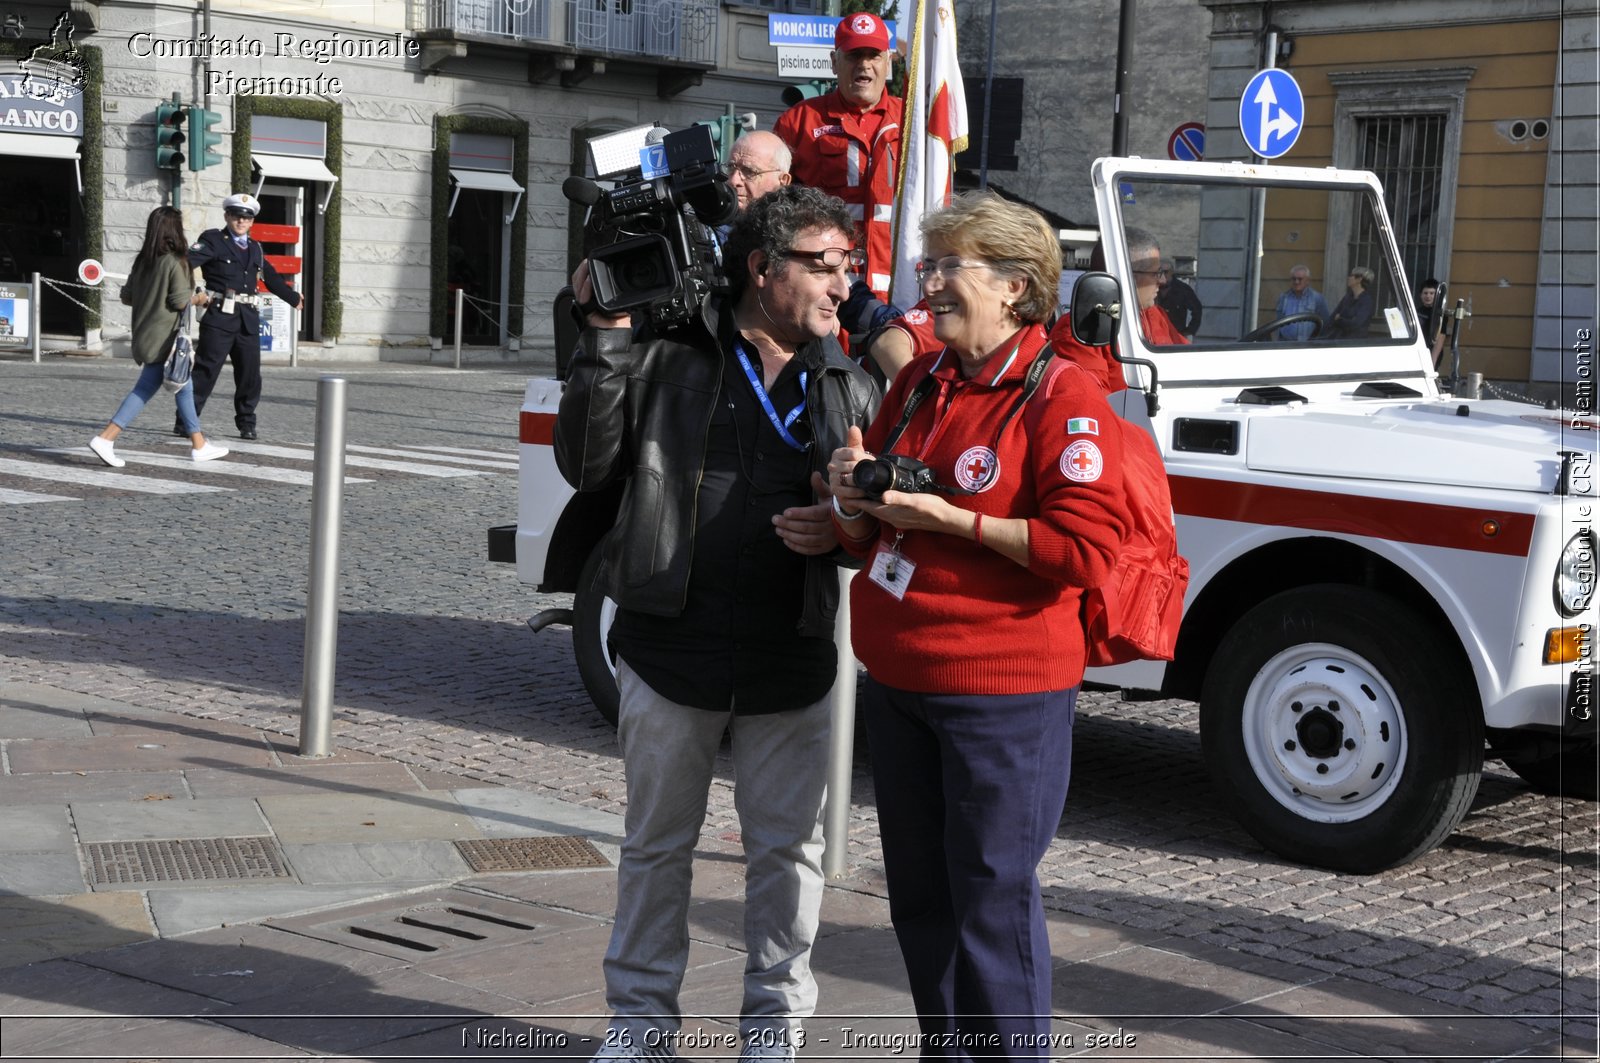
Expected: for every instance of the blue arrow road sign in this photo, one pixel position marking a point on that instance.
(1272, 112)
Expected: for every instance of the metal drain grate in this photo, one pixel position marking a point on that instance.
(545, 853)
(184, 860)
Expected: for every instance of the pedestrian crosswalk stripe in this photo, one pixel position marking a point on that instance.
(468, 451)
(12, 497)
(503, 463)
(268, 450)
(118, 481)
(226, 467)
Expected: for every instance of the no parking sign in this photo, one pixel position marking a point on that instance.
(1187, 143)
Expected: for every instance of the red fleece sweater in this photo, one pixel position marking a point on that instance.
(972, 621)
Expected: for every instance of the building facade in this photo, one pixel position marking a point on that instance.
(402, 149)
(1480, 117)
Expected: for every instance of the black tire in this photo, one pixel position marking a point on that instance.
(1567, 770)
(1334, 721)
(592, 613)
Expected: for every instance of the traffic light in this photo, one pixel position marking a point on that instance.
(723, 132)
(200, 123)
(169, 135)
(805, 90)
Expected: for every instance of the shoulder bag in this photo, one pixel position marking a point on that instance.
(180, 363)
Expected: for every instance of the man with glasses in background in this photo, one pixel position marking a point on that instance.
(720, 567)
(1301, 298)
(758, 164)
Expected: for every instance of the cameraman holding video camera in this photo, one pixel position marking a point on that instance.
(720, 567)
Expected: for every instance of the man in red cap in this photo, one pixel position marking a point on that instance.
(847, 142)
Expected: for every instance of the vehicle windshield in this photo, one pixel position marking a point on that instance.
(1272, 266)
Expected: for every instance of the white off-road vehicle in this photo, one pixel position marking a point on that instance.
(1386, 580)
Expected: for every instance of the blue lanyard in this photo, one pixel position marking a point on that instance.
(766, 402)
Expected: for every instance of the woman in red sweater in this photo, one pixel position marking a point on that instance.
(967, 616)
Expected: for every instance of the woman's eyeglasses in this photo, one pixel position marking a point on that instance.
(946, 268)
(831, 257)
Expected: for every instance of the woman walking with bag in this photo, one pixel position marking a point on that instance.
(159, 290)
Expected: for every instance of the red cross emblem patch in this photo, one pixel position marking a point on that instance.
(978, 469)
(1081, 461)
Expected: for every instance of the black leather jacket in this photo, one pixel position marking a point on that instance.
(643, 411)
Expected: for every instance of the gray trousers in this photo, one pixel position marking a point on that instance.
(780, 768)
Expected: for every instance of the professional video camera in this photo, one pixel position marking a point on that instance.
(652, 249)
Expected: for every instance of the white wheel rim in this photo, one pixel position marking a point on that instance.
(1324, 733)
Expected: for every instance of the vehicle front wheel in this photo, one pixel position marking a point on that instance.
(592, 614)
(1334, 721)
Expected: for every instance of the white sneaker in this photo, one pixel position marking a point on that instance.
(210, 452)
(106, 451)
(625, 1048)
(756, 1049)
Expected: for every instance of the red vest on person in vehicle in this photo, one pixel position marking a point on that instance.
(854, 155)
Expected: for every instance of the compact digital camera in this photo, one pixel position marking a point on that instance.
(653, 251)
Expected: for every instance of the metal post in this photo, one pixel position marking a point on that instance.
(294, 335)
(841, 741)
(460, 299)
(988, 96)
(322, 593)
(35, 318)
(1119, 103)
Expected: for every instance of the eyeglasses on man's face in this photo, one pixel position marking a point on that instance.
(749, 173)
(830, 257)
(945, 268)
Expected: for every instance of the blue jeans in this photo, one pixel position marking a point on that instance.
(970, 792)
(148, 384)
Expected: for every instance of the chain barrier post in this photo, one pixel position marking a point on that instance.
(460, 298)
(322, 593)
(34, 319)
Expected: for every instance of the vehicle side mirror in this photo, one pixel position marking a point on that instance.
(1096, 309)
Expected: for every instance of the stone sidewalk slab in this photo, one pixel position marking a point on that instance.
(127, 821)
(312, 818)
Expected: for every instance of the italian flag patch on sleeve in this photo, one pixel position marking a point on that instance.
(1083, 426)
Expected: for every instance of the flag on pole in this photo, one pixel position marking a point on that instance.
(932, 132)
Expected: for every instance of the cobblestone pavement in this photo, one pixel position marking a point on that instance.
(195, 602)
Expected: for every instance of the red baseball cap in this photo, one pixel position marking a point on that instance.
(861, 30)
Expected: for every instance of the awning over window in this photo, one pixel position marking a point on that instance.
(487, 181)
(39, 146)
(294, 168)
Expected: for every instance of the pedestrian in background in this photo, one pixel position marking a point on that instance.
(1178, 301)
(231, 263)
(1350, 318)
(158, 290)
(1301, 298)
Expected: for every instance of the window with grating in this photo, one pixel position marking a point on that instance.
(1406, 151)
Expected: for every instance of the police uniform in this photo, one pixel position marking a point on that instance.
(233, 333)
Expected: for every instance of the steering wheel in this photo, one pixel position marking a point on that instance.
(1266, 331)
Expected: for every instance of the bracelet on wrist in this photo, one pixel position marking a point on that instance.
(977, 528)
(839, 510)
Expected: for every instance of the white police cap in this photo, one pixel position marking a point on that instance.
(242, 203)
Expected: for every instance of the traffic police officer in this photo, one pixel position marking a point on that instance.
(231, 263)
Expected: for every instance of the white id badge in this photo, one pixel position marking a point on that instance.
(892, 571)
(227, 305)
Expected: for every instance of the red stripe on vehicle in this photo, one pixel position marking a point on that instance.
(538, 428)
(1423, 523)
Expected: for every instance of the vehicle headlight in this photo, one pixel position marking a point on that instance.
(1575, 574)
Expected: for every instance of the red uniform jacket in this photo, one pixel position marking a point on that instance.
(972, 621)
(853, 155)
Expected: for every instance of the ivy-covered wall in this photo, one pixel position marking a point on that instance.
(91, 150)
(443, 126)
(245, 108)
